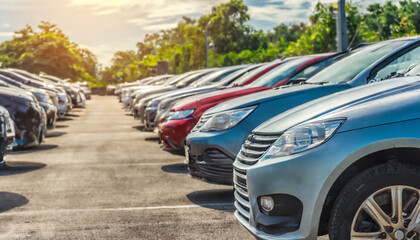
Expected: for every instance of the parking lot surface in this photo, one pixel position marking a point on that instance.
(99, 176)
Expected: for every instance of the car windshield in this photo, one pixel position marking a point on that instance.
(175, 79)
(348, 68)
(192, 78)
(280, 73)
(214, 77)
(413, 70)
(247, 76)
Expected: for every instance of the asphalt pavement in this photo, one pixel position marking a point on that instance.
(99, 176)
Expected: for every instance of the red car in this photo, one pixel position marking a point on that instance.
(186, 113)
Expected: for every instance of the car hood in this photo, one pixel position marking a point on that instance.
(154, 90)
(207, 98)
(363, 106)
(16, 93)
(275, 94)
(187, 90)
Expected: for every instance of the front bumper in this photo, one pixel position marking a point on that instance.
(309, 175)
(174, 132)
(213, 153)
(150, 115)
(62, 109)
(51, 118)
(141, 109)
(302, 176)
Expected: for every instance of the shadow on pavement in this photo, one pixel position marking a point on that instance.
(152, 139)
(218, 199)
(42, 147)
(65, 119)
(61, 126)
(55, 134)
(179, 152)
(176, 168)
(10, 200)
(72, 115)
(13, 168)
(140, 128)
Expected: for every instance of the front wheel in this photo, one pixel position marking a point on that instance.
(382, 202)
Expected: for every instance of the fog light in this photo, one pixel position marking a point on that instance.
(267, 203)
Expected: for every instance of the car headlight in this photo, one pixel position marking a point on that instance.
(303, 137)
(226, 120)
(182, 114)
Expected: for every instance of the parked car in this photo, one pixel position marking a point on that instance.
(187, 113)
(128, 91)
(185, 81)
(7, 138)
(28, 116)
(344, 164)
(140, 103)
(40, 94)
(48, 106)
(216, 140)
(163, 109)
(212, 81)
(86, 90)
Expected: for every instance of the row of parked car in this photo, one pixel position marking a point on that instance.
(326, 143)
(31, 104)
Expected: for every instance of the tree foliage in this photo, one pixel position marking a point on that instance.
(236, 42)
(232, 41)
(50, 51)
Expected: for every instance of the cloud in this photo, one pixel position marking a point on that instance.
(103, 52)
(157, 27)
(270, 13)
(6, 34)
(106, 26)
(106, 12)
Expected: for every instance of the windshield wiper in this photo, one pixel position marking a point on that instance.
(316, 83)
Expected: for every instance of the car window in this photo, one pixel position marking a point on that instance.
(213, 78)
(414, 70)
(280, 73)
(247, 76)
(399, 65)
(312, 70)
(358, 60)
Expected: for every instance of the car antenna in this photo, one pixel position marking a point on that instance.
(352, 40)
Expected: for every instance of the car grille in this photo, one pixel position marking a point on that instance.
(254, 147)
(201, 122)
(252, 150)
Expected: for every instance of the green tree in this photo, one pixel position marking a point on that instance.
(50, 51)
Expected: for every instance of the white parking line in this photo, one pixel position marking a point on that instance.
(118, 209)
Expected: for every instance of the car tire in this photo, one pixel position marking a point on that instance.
(351, 216)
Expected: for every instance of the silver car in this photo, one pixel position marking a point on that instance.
(346, 164)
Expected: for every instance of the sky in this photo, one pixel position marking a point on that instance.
(107, 26)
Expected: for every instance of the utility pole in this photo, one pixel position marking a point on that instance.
(342, 40)
(207, 47)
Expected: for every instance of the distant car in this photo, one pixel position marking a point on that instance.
(86, 90)
(216, 140)
(193, 78)
(187, 113)
(163, 109)
(211, 81)
(127, 92)
(346, 164)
